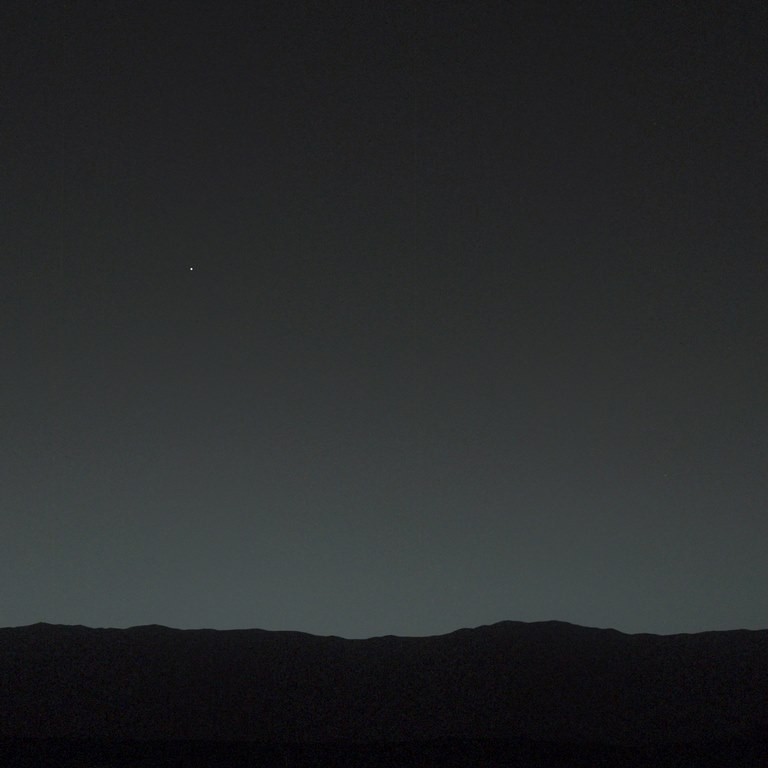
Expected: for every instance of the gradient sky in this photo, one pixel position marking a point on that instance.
(383, 318)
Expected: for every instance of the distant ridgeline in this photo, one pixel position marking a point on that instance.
(548, 682)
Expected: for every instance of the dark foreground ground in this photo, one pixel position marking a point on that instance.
(64, 753)
(540, 695)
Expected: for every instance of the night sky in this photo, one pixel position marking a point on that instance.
(365, 318)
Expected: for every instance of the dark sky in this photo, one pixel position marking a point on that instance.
(366, 318)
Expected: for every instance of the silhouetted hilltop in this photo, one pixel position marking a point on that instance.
(548, 681)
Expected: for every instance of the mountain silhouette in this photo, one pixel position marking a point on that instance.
(544, 682)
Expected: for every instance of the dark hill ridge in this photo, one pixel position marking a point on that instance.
(548, 681)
